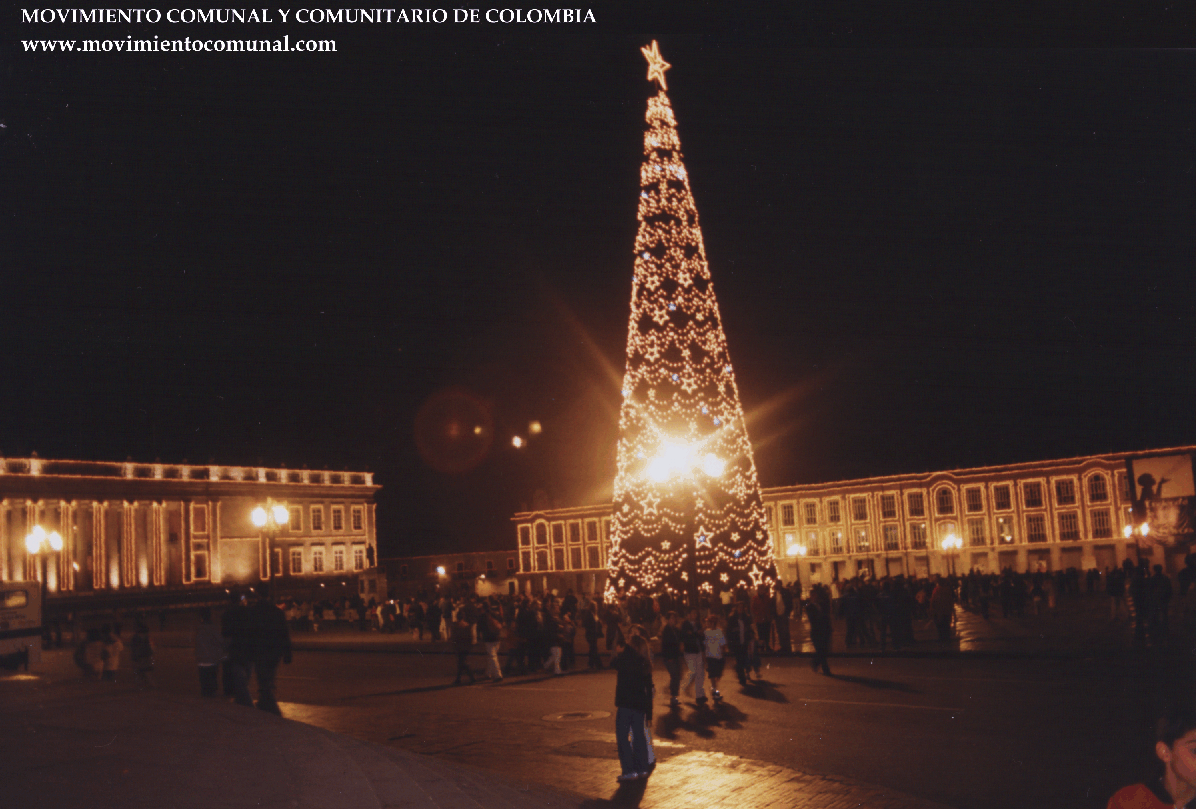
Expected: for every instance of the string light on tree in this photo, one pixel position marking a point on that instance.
(688, 515)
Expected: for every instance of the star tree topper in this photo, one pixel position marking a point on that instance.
(656, 64)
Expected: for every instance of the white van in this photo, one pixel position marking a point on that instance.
(20, 623)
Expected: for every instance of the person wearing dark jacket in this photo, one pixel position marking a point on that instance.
(633, 699)
(462, 634)
(740, 633)
(691, 648)
(819, 616)
(670, 652)
(271, 644)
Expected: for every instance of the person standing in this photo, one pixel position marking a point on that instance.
(691, 648)
(112, 649)
(633, 701)
(209, 652)
(670, 652)
(784, 614)
(739, 640)
(551, 633)
(490, 632)
(462, 642)
(942, 607)
(715, 643)
(271, 644)
(819, 615)
(593, 629)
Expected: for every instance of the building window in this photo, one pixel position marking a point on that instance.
(1069, 526)
(1002, 497)
(296, 561)
(836, 537)
(917, 536)
(317, 518)
(558, 558)
(977, 535)
(768, 516)
(1098, 489)
(1102, 524)
(1032, 495)
(317, 560)
(558, 533)
(892, 537)
(862, 543)
(973, 501)
(525, 536)
(542, 560)
(575, 557)
(787, 515)
(490, 565)
(1065, 492)
(575, 533)
(1036, 528)
(338, 559)
(811, 513)
(511, 565)
(832, 510)
(338, 518)
(525, 559)
(295, 521)
(593, 560)
(1005, 530)
(199, 519)
(812, 544)
(358, 517)
(541, 533)
(358, 557)
(917, 504)
(888, 507)
(199, 566)
(592, 531)
(859, 509)
(944, 502)
(1123, 486)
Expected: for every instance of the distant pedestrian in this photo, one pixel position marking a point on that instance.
(633, 700)
(691, 647)
(90, 655)
(670, 653)
(462, 635)
(715, 643)
(209, 652)
(141, 652)
(818, 614)
(593, 631)
(490, 633)
(112, 649)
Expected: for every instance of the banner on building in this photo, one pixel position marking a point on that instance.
(1163, 492)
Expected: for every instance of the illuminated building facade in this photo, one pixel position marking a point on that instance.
(1044, 515)
(139, 528)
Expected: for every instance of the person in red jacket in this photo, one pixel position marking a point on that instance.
(1176, 748)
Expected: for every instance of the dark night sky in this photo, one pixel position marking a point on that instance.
(926, 257)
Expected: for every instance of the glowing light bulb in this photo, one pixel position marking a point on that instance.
(713, 466)
(1145, 529)
(281, 515)
(517, 442)
(55, 541)
(534, 428)
(258, 516)
(1128, 531)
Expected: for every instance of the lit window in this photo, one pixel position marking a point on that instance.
(811, 513)
(977, 534)
(836, 541)
(862, 542)
(973, 500)
(338, 559)
(1102, 524)
(917, 536)
(917, 504)
(359, 557)
(787, 519)
(1005, 530)
(358, 518)
(944, 502)
(812, 545)
(1032, 495)
(1069, 526)
(859, 509)
(1036, 528)
(1098, 489)
(296, 561)
(317, 560)
(892, 538)
(888, 507)
(832, 511)
(338, 518)
(1065, 492)
(1002, 497)
(317, 518)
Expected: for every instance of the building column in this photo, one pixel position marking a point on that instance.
(4, 550)
(128, 547)
(31, 571)
(158, 531)
(99, 545)
(215, 573)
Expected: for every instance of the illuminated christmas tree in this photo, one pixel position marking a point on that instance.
(687, 510)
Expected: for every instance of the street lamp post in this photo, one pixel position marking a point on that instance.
(270, 518)
(40, 545)
(951, 545)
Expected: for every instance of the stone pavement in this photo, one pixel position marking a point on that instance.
(75, 743)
